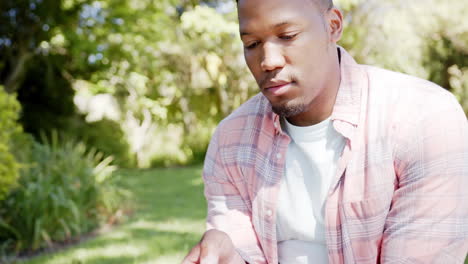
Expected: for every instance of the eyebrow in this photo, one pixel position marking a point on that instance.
(277, 25)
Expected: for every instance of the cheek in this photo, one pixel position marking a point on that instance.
(253, 65)
(309, 64)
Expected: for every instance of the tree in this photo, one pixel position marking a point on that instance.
(424, 40)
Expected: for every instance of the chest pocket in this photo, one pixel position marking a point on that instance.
(363, 227)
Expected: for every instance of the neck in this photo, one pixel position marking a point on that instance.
(322, 106)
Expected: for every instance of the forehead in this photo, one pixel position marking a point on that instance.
(264, 14)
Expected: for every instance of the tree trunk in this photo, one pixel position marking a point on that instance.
(19, 69)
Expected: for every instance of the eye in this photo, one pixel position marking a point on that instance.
(252, 45)
(287, 37)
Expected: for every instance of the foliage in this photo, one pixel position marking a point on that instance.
(46, 97)
(35, 40)
(163, 61)
(176, 75)
(459, 83)
(175, 67)
(9, 128)
(65, 191)
(428, 40)
(107, 137)
(191, 147)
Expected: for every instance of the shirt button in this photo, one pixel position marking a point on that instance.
(269, 212)
(278, 156)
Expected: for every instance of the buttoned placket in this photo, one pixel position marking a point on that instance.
(270, 213)
(345, 118)
(346, 130)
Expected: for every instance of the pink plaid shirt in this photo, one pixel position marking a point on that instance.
(400, 194)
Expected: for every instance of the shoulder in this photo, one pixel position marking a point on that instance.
(424, 119)
(407, 89)
(405, 97)
(404, 111)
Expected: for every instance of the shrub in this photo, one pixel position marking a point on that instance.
(65, 191)
(179, 149)
(8, 129)
(107, 137)
(196, 143)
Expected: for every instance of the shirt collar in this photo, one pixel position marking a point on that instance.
(348, 99)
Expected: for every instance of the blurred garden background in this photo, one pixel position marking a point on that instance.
(107, 108)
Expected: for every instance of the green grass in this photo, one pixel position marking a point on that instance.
(168, 220)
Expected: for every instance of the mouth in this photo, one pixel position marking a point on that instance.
(278, 89)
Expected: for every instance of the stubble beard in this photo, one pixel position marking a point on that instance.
(289, 109)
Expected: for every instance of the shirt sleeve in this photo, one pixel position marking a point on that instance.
(228, 210)
(428, 219)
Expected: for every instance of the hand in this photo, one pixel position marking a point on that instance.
(215, 247)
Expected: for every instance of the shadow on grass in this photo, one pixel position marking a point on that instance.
(145, 246)
(121, 260)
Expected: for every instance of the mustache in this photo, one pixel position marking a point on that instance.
(289, 77)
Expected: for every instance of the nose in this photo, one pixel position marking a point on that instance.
(272, 57)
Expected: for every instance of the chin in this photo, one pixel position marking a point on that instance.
(289, 109)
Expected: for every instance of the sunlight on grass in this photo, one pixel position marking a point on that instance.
(168, 221)
(170, 226)
(167, 259)
(122, 250)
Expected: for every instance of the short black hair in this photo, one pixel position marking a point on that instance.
(325, 3)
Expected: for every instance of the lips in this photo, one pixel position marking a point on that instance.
(277, 88)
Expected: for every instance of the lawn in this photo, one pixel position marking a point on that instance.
(168, 220)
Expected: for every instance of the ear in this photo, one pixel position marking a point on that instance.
(335, 24)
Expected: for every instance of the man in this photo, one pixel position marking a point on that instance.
(333, 162)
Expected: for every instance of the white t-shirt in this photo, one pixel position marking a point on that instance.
(311, 164)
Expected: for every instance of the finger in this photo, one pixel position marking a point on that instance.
(208, 252)
(209, 259)
(193, 257)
